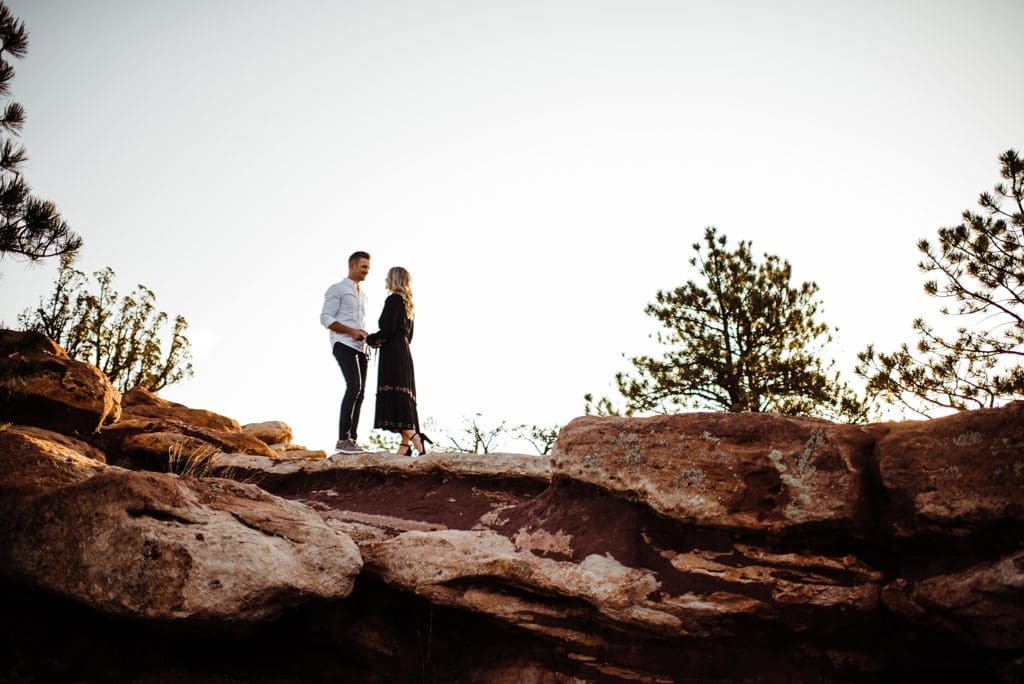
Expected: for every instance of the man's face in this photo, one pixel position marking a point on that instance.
(359, 269)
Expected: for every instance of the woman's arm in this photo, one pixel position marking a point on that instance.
(390, 320)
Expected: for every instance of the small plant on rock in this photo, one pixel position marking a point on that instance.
(196, 463)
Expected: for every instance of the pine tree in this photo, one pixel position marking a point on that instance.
(978, 265)
(29, 227)
(743, 339)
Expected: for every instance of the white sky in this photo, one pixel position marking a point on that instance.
(541, 168)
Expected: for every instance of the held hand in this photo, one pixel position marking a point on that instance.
(360, 335)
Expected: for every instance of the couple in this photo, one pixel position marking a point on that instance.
(344, 314)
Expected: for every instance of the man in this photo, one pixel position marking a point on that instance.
(344, 314)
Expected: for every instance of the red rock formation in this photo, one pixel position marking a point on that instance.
(144, 443)
(697, 547)
(755, 472)
(140, 403)
(214, 553)
(40, 385)
(956, 476)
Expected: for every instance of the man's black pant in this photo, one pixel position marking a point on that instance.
(353, 367)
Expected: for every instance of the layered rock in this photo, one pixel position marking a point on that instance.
(706, 530)
(151, 427)
(957, 476)
(376, 494)
(468, 569)
(145, 545)
(762, 472)
(40, 385)
(142, 404)
(145, 444)
(705, 547)
(214, 553)
(981, 605)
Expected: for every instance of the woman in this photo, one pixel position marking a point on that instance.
(396, 381)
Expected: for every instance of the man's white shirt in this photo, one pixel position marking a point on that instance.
(346, 304)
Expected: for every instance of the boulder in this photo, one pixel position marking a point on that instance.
(206, 553)
(954, 476)
(77, 446)
(41, 386)
(142, 403)
(754, 472)
(35, 461)
(269, 432)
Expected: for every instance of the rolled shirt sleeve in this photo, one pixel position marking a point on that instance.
(332, 305)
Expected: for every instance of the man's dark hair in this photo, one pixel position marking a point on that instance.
(356, 256)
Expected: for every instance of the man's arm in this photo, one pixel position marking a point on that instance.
(354, 333)
(332, 305)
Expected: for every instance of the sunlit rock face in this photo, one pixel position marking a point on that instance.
(697, 547)
(210, 553)
(150, 427)
(40, 385)
(748, 472)
(270, 432)
(141, 404)
(277, 435)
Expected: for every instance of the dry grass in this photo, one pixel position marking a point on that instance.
(196, 463)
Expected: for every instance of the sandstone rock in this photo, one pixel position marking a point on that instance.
(956, 474)
(454, 465)
(702, 547)
(140, 403)
(983, 605)
(285, 451)
(269, 432)
(396, 492)
(35, 461)
(159, 547)
(40, 385)
(144, 444)
(303, 454)
(761, 472)
(78, 446)
(470, 568)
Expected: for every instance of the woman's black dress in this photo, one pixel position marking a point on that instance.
(396, 381)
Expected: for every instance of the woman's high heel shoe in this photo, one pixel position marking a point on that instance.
(404, 450)
(424, 441)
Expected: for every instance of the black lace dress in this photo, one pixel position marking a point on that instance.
(396, 381)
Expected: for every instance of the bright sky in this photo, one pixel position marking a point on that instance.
(541, 167)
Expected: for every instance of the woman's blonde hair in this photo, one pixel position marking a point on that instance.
(400, 282)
